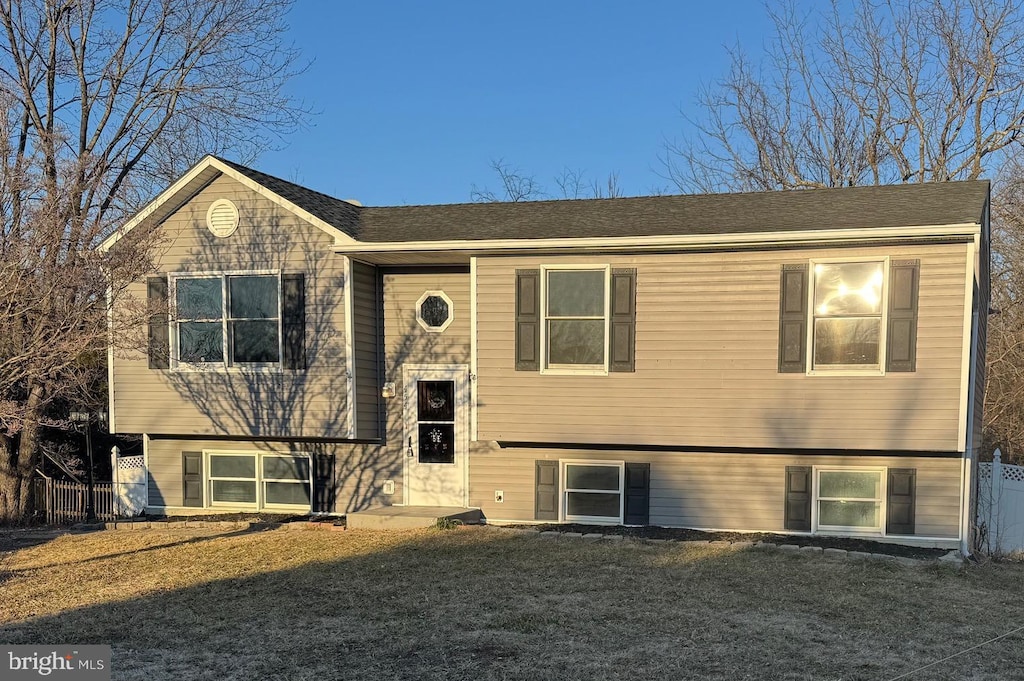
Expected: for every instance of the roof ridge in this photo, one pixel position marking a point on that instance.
(767, 192)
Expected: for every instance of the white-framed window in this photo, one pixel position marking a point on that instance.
(435, 311)
(574, 328)
(592, 491)
(847, 315)
(849, 500)
(259, 480)
(226, 319)
(231, 479)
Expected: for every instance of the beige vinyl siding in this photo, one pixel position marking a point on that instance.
(366, 331)
(241, 402)
(707, 362)
(711, 490)
(405, 341)
(360, 470)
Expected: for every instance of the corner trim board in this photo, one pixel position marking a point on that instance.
(965, 363)
(350, 348)
(473, 391)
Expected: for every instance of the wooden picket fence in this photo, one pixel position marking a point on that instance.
(62, 502)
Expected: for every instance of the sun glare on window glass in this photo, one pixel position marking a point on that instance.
(847, 314)
(848, 288)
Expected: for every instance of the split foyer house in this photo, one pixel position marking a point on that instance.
(804, 361)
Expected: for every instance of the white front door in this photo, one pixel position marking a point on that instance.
(436, 434)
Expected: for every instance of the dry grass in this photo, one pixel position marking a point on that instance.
(483, 604)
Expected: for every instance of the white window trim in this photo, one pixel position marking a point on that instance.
(569, 369)
(883, 492)
(451, 312)
(563, 491)
(208, 480)
(848, 370)
(177, 364)
(259, 480)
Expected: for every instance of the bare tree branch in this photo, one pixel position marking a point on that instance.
(102, 103)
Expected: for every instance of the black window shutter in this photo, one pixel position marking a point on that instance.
(159, 336)
(798, 498)
(902, 492)
(638, 494)
(192, 479)
(901, 353)
(546, 500)
(324, 487)
(793, 319)
(527, 320)
(623, 322)
(293, 320)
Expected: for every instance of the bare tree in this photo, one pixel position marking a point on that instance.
(1004, 409)
(896, 91)
(518, 186)
(573, 184)
(101, 103)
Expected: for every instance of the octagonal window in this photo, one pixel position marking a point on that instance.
(434, 311)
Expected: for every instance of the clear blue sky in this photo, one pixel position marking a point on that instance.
(416, 98)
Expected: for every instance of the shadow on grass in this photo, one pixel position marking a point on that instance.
(483, 604)
(147, 549)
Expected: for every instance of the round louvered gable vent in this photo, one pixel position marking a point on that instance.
(222, 218)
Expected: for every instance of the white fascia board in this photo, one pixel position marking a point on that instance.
(340, 238)
(681, 241)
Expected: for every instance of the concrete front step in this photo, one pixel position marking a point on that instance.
(405, 517)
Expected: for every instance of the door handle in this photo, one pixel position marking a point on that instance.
(410, 446)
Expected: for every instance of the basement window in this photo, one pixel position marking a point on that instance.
(850, 500)
(592, 491)
(259, 481)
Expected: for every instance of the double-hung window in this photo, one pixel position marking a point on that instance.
(227, 319)
(575, 324)
(847, 315)
(850, 500)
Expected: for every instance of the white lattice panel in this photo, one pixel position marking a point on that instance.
(1013, 473)
(1001, 506)
(130, 463)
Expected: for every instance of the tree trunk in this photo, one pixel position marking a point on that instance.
(17, 461)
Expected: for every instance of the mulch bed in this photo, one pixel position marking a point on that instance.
(679, 534)
(646, 532)
(249, 518)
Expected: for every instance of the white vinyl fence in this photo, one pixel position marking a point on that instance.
(129, 473)
(1000, 506)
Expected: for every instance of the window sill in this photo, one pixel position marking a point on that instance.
(592, 520)
(220, 369)
(836, 531)
(567, 371)
(873, 372)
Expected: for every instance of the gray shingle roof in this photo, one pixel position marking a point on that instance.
(906, 205)
(337, 213)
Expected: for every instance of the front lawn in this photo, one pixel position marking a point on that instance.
(480, 603)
